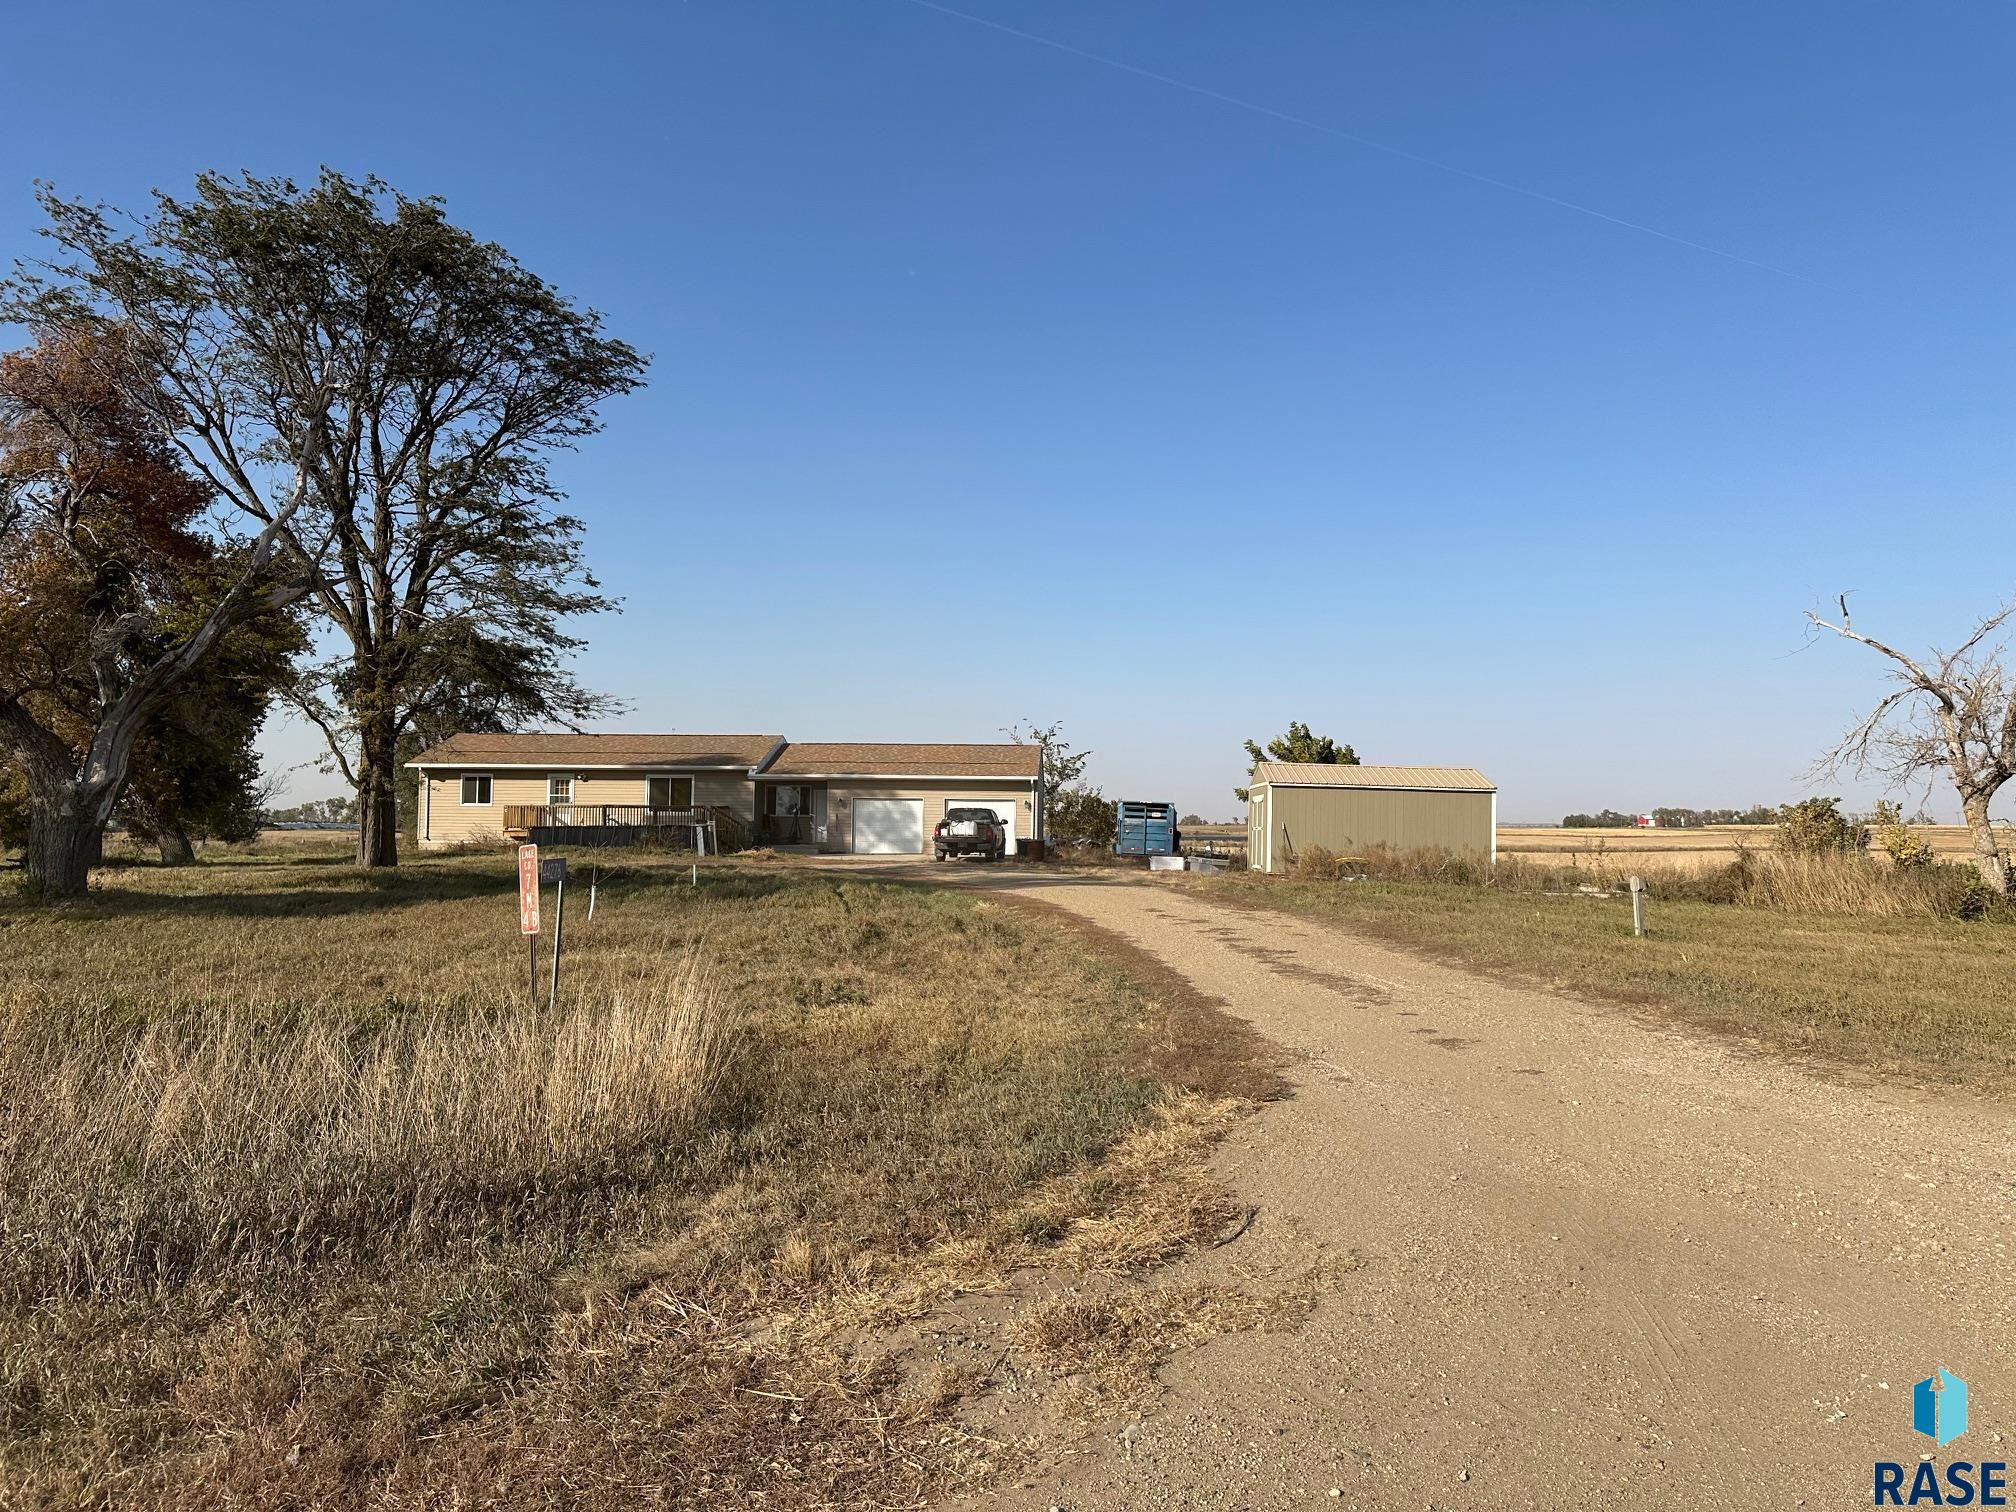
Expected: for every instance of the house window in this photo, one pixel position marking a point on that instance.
(671, 793)
(475, 789)
(559, 789)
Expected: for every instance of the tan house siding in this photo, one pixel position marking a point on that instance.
(616, 770)
(1353, 820)
(446, 821)
(840, 793)
(730, 790)
(450, 822)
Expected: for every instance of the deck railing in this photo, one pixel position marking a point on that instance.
(596, 815)
(622, 824)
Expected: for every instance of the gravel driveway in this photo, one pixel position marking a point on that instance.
(1606, 1261)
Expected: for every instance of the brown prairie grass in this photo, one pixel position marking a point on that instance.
(147, 1152)
(1707, 846)
(302, 1208)
(1853, 884)
(1830, 882)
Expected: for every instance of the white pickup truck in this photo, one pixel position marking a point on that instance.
(969, 832)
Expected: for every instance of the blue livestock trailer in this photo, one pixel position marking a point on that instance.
(1146, 829)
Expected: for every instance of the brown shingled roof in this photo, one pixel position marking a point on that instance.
(850, 759)
(565, 749)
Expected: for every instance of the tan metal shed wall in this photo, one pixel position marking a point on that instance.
(1351, 821)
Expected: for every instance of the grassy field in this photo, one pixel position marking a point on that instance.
(1691, 849)
(1710, 846)
(1901, 993)
(301, 1205)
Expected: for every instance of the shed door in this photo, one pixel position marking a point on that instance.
(1001, 808)
(888, 826)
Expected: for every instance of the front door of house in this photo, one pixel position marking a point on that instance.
(790, 812)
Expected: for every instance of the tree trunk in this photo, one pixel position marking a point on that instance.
(377, 795)
(175, 847)
(1987, 856)
(63, 843)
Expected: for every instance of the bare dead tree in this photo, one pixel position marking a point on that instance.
(1953, 711)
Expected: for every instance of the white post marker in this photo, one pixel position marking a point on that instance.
(555, 871)
(1638, 906)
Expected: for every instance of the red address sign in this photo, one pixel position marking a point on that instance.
(528, 889)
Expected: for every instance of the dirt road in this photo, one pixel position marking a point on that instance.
(1606, 1262)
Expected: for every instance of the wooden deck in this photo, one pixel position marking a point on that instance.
(623, 824)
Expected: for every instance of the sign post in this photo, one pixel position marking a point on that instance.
(528, 916)
(555, 871)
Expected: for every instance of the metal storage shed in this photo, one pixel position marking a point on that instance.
(1350, 809)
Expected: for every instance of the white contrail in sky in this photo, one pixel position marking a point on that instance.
(1356, 137)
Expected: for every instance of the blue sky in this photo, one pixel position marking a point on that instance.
(993, 382)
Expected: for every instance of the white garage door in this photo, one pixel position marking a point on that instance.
(1001, 808)
(888, 826)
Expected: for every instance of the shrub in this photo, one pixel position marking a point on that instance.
(1313, 863)
(1973, 898)
(1083, 815)
(1905, 847)
(1816, 827)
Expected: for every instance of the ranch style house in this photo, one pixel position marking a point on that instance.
(836, 797)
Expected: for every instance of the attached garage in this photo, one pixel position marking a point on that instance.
(885, 800)
(888, 826)
(1295, 806)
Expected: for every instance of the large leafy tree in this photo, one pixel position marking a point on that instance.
(420, 379)
(1299, 744)
(196, 771)
(113, 593)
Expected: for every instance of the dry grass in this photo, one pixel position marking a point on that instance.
(1851, 884)
(1678, 849)
(1832, 882)
(145, 1153)
(1117, 1339)
(300, 1208)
